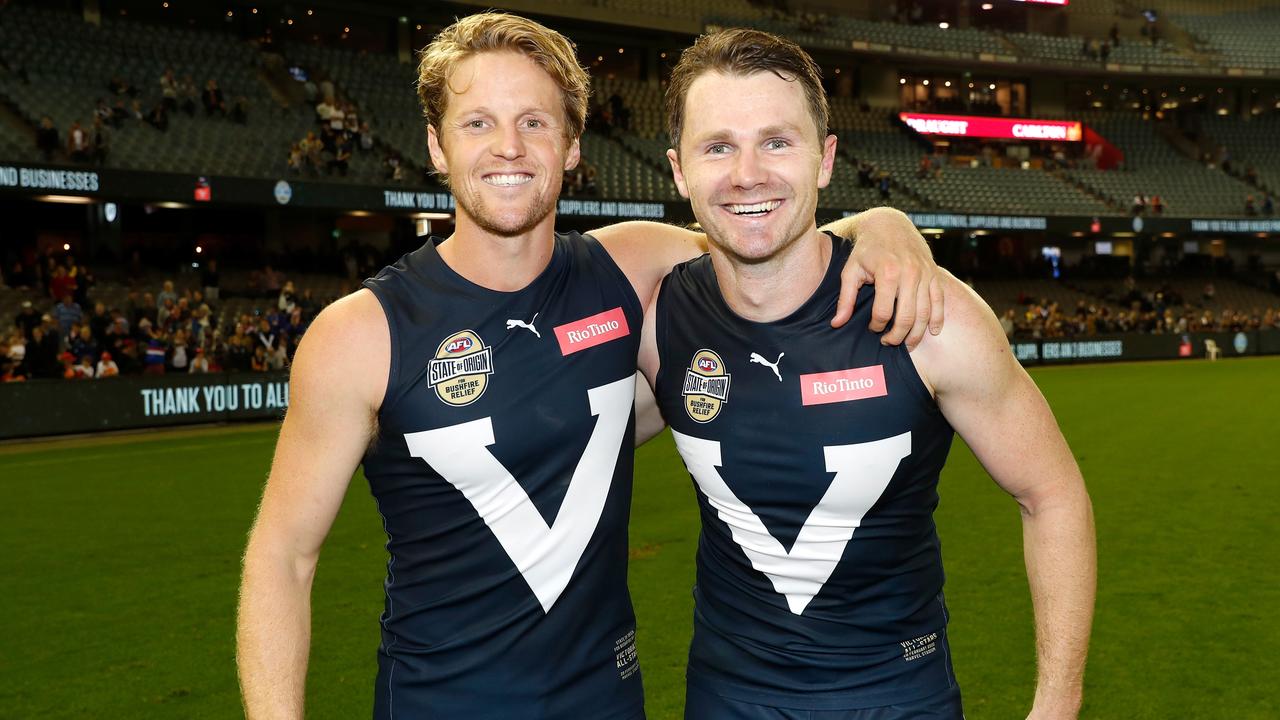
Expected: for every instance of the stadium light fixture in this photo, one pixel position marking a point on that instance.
(925, 83)
(66, 247)
(310, 12)
(346, 29)
(255, 11)
(992, 86)
(164, 5)
(944, 25)
(66, 199)
(947, 83)
(199, 249)
(902, 81)
(987, 6)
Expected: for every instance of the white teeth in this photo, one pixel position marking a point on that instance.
(508, 180)
(758, 208)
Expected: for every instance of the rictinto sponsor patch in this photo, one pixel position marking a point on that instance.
(843, 385)
(592, 331)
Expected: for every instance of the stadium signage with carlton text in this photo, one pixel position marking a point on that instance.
(994, 127)
(57, 407)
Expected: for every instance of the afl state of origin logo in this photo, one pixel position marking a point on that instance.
(461, 368)
(706, 386)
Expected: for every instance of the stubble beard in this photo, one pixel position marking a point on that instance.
(472, 202)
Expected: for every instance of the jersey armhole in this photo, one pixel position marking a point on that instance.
(660, 332)
(907, 369)
(629, 292)
(393, 371)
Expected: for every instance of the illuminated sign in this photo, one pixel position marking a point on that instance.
(48, 179)
(992, 127)
(1045, 2)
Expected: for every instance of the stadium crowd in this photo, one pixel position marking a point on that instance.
(156, 332)
(1160, 311)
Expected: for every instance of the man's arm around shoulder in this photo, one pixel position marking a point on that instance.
(338, 378)
(999, 412)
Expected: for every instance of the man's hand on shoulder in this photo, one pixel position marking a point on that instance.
(890, 252)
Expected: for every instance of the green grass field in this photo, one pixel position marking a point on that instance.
(119, 562)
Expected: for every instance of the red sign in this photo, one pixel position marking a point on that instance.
(592, 331)
(204, 193)
(843, 385)
(992, 127)
(1045, 2)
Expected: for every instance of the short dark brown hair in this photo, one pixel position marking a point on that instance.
(742, 51)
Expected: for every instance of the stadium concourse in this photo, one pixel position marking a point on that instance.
(184, 185)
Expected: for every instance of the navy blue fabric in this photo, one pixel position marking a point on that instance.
(463, 634)
(863, 639)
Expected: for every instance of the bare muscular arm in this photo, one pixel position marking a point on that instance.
(336, 384)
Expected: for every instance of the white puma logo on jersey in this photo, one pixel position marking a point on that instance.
(862, 474)
(526, 325)
(759, 359)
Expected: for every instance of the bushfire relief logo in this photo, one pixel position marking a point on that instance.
(461, 368)
(706, 386)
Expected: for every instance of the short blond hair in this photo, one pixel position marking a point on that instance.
(496, 32)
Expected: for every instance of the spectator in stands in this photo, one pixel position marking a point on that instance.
(153, 364)
(352, 122)
(166, 293)
(212, 98)
(42, 353)
(884, 186)
(106, 367)
(589, 185)
(296, 158)
(1114, 35)
(392, 169)
(1157, 205)
(165, 315)
(84, 370)
(26, 320)
(102, 111)
(136, 113)
(47, 140)
(99, 320)
(1139, 204)
(1249, 207)
(337, 119)
(1007, 322)
(179, 353)
(199, 363)
(366, 137)
(210, 279)
(119, 86)
(324, 111)
(12, 372)
(341, 156)
(101, 141)
(278, 357)
(288, 299)
(158, 116)
(240, 110)
(265, 336)
(119, 113)
(187, 94)
(311, 147)
(81, 342)
(1268, 205)
(16, 349)
(258, 363)
(169, 89)
(1104, 51)
(77, 142)
(67, 313)
(239, 351)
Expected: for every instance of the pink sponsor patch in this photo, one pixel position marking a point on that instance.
(592, 331)
(843, 385)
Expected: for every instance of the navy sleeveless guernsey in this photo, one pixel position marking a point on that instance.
(502, 469)
(815, 454)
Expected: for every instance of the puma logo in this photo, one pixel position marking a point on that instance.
(526, 325)
(759, 360)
